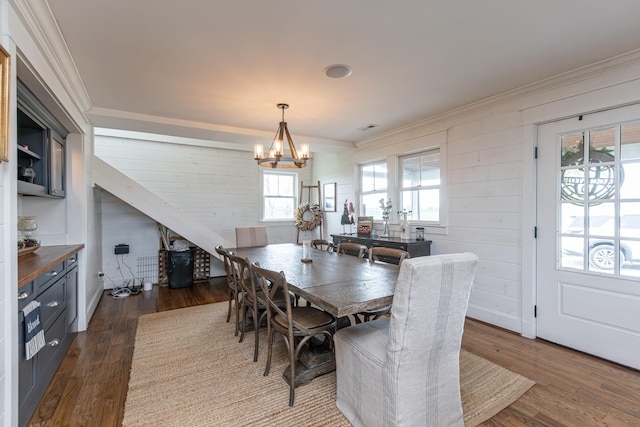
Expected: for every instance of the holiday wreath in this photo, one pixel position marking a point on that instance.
(307, 216)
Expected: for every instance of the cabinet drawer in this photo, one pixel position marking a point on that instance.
(53, 301)
(52, 353)
(25, 295)
(49, 277)
(72, 261)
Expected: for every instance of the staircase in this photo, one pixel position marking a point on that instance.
(129, 191)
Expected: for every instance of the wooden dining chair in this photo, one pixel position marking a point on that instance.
(381, 254)
(323, 245)
(231, 285)
(252, 299)
(296, 324)
(350, 248)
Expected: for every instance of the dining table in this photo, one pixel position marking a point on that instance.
(340, 284)
(337, 283)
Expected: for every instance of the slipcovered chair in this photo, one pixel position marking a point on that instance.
(231, 285)
(350, 248)
(404, 370)
(251, 236)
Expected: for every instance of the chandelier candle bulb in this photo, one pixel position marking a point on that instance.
(304, 151)
(258, 151)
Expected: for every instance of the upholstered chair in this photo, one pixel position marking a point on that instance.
(404, 369)
(251, 236)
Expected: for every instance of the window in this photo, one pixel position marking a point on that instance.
(373, 181)
(278, 190)
(420, 185)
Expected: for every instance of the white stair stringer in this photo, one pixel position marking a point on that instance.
(129, 191)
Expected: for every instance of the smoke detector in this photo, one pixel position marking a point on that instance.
(337, 71)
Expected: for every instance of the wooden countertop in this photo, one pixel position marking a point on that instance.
(35, 264)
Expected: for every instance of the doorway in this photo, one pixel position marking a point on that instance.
(588, 240)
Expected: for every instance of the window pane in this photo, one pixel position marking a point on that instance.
(430, 205)
(367, 181)
(602, 145)
(411, 172)
(278, 208)
(572, 150)
(602, 182)
(270, 185)
(371, 205)
(630, 142)
(602, 220)
(572, 251)
(629, 178)
(431, 169)
(424, 204)
(630, 222)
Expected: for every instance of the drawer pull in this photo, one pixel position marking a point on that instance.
(72, 260)
(54, 342)
(52, 304)
(22, 295)
(53, 273)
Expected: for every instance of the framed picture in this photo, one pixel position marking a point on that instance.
(4, 105)
(329, 204)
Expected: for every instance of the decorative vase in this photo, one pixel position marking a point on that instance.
(405, 227)
(385, 228)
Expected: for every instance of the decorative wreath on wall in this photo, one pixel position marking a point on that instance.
(308, 216)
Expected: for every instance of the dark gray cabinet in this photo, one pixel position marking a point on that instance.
(56, 290)
(414, 247)
(41, 148)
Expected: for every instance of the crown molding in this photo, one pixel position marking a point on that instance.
(534, 92)
(39, 21)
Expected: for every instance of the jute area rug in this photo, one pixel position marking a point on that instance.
(188, 369)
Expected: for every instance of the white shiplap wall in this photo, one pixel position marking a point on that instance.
(491, 177)
(489, 173)
(219, 187)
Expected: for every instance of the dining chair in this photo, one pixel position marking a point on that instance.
(251, 236)
(381, 254)
(231, 285)
(404, 369)
(323, 245)
(350, 248)
(296, 324)
(252, 300)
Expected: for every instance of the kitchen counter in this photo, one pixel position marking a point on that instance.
(32, 265)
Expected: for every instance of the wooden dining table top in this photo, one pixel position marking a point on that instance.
(339, 284)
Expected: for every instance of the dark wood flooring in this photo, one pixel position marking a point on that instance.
(572, 389)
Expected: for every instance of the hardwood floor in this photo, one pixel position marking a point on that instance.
(572, 389)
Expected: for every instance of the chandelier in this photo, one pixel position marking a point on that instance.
(276, 158)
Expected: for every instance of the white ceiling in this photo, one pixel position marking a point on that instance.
(217, 68)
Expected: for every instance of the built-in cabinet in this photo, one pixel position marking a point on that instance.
(50, 276)
(41, 148)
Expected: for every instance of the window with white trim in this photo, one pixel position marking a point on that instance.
(419, 182)
(279, 195)
(373, 187)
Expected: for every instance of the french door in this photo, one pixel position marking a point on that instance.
(588, 245)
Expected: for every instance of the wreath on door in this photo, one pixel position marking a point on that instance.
(308, 216)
